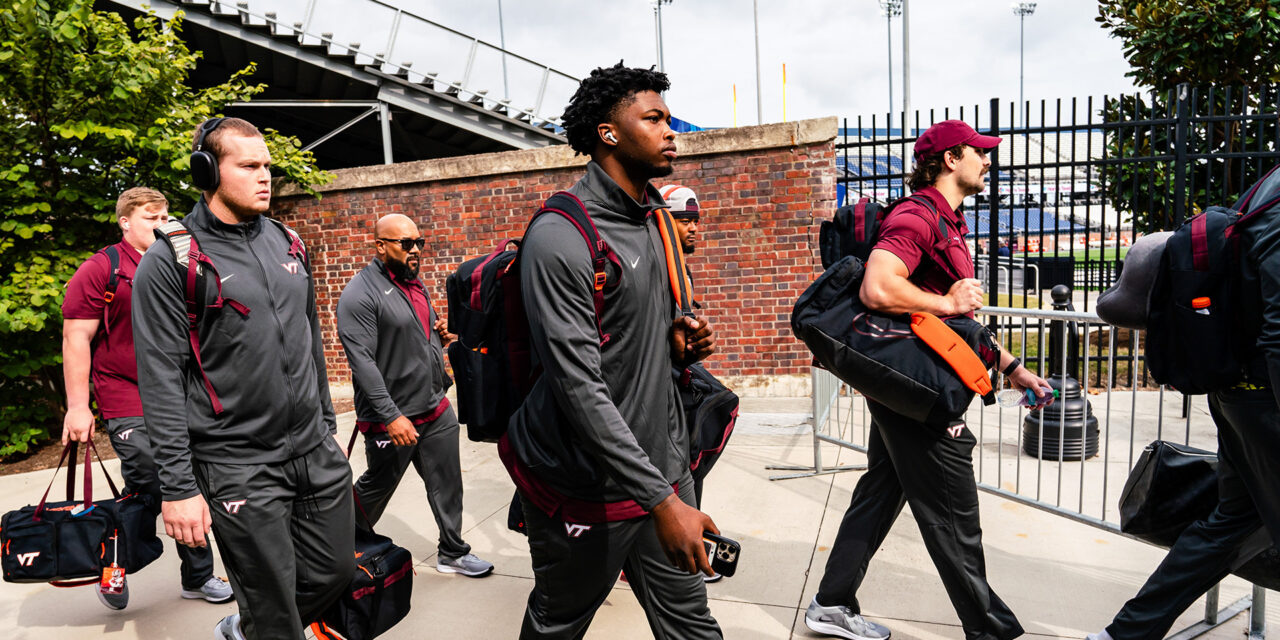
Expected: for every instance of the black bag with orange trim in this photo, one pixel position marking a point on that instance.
(68, 544)
(379, 594)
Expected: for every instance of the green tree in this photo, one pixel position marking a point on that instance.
(89, 107)
(1223, 52)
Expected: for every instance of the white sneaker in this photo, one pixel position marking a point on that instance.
(840, 621)
(215, 590)
(1101, 635)
(228, 628)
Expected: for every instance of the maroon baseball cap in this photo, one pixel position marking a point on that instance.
(949, 133)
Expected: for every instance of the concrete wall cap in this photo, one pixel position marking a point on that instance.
(698, 143)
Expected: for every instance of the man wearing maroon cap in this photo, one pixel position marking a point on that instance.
(921, 263)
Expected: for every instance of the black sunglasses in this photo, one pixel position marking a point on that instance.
(407, 243)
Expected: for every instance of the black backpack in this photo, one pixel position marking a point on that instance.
(710, 410)
(491, 359)
(1200, 331)
(854, 229)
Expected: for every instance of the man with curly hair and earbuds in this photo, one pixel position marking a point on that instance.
(599, 449)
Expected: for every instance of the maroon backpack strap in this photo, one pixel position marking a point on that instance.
(572, 209)
(186, 251)
(1200, 242)
(859, 220)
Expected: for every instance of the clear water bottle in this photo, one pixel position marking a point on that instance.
(1021, 397)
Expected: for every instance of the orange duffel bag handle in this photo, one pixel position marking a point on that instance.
(948, 344)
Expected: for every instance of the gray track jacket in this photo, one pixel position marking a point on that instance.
(397, 367)
(267, 368)
(601, 425)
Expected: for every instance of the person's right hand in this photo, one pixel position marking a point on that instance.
(77, 425)
(187, 520)
(402, 433)
(964, 296)
(679, 528)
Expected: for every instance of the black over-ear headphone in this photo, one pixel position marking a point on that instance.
(204, 166)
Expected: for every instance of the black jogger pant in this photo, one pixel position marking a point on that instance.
(138, 466)
(436, 459)
(1248, 500)
(286, 534)
(931, 468)
(575, 566)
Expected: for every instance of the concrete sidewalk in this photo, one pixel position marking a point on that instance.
(1063, 579)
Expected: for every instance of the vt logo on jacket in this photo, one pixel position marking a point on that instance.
(233, 506)
(291, 267)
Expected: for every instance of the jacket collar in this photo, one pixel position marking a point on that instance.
(201, 218)
(602, 189)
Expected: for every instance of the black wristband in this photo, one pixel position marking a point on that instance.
(1012, 366)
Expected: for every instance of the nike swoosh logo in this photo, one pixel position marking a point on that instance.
(388, 291)
(635, 262)
(226, 278)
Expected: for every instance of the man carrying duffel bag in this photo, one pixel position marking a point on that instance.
(921, 263)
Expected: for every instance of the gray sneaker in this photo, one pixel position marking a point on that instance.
(1101, 635)
(228, 628)
(468, 565)
(215, 590)
(116, 601)
(840, 621)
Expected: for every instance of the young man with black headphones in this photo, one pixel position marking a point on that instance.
(237, 402)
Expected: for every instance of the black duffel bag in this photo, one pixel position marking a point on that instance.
(378, 597)
(710, 410)
(69, 543)
(1172, 486)
(879, 355)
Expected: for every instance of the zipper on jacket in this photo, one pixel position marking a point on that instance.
(284, 362)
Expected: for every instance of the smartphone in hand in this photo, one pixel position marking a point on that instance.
(722, 552)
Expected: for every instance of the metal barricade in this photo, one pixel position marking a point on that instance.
(1083, 491)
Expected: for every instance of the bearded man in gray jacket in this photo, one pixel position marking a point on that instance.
(394, 343)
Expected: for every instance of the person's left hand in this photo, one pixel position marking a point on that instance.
(1022, 379)
(692, 340)
(442, 328)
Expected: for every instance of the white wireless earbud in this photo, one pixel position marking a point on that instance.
(608, 135)
(124, 225)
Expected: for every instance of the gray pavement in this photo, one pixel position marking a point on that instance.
(1062, 578)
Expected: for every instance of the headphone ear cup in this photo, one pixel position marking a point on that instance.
(204, 171)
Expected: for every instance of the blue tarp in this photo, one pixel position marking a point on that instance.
(1021, 221)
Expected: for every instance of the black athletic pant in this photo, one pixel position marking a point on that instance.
(436, 459)
(575, 566)
(1248, 499)
(286, 534)
(138, 466)
(932, 469)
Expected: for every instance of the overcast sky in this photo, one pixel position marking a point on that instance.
(962, 53)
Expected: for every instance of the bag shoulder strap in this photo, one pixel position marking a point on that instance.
(113, 281)
(296, 247)
(571, 208)
(677, 270)
(948, 344)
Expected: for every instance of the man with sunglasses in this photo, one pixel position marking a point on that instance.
(395, 346)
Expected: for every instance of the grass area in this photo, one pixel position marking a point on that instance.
(1093, 255)
(1015, 301)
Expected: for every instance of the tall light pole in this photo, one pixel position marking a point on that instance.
(906, 69)
(502, 41)
(657, 27)
(1022, 10)
(755, 14)
(890, 9)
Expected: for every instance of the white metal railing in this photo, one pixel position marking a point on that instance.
(462, 65)
(1083, 490)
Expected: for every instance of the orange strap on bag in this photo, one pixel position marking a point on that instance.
(948, 344)
(681, 288)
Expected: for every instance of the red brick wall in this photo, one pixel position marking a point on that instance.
(756, 254)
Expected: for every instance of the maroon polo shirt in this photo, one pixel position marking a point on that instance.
(114, 369)
(935, 261)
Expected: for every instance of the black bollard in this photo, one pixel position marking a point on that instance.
(1066, 429)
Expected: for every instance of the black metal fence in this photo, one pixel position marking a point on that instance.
(1076, 181)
